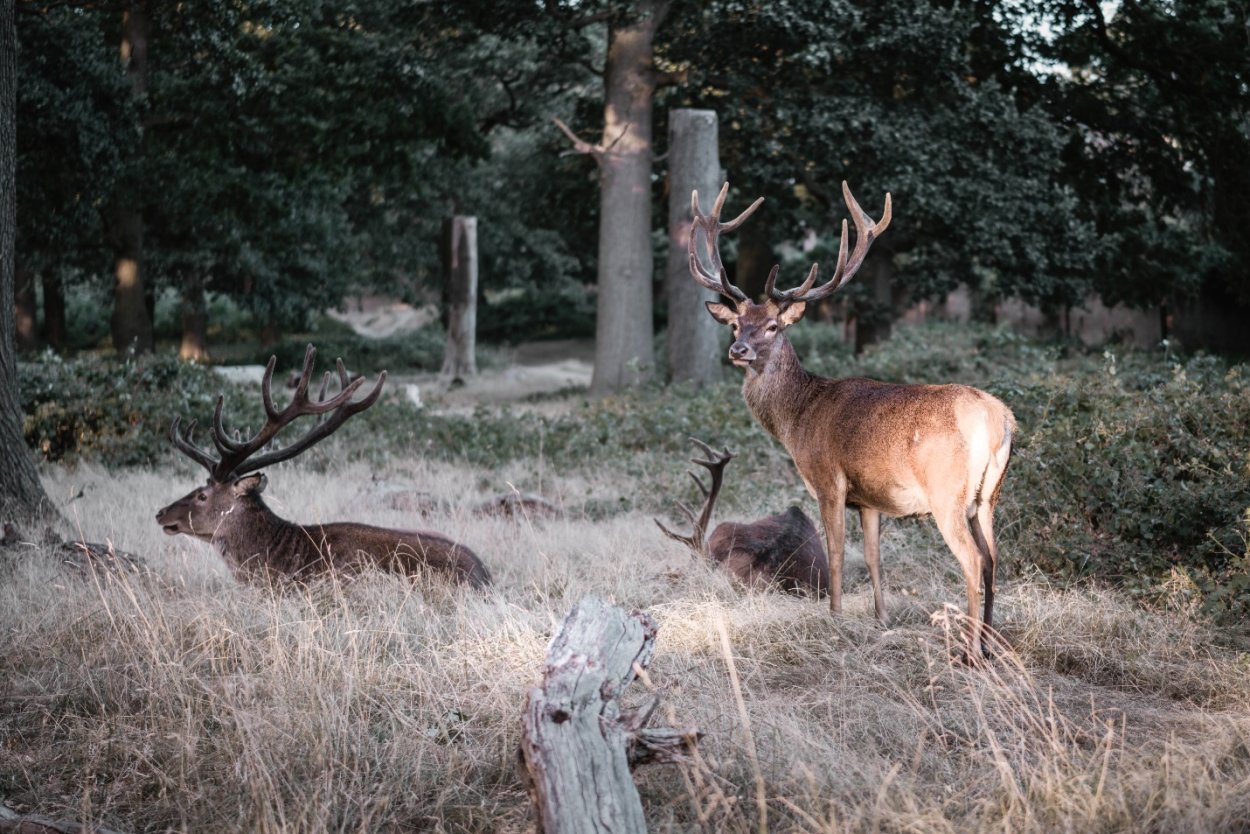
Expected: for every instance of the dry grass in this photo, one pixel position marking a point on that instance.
(184, 701)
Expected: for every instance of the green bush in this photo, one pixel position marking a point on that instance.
(117, 410)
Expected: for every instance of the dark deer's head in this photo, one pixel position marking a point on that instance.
(230, 487)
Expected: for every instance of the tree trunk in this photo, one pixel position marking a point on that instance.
(577, 743)
(624, 351)
(459, 251)
(25, 306)
(755, 255)
(21, 494)
(875, 322)
(53, 312)
(194, 319)
(131, 323)
(694, 337)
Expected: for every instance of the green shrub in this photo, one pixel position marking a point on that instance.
(117, 410)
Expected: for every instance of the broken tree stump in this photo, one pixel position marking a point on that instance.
(577, 742)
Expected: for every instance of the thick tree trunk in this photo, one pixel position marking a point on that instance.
(21, 494)
(25, 307)
(624, 351)
(131, 323)
(694, 337)
(53, 312)
(755, 256)
(577, 743)
(193, 315)
(877, 321)
(459, 251)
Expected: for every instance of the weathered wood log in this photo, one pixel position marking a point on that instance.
(577, 742)
(460, 267)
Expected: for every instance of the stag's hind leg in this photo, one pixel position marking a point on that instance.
(953, 522)
(982, 524)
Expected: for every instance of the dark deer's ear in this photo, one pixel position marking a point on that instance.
(791, 313)
(250, 483)
(722, 312)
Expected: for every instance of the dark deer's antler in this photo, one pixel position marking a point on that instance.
(715, 465)
(236, 456)
(865, 233)
(715, 280)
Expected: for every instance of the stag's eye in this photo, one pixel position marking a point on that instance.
(201, 497)
(772, 328)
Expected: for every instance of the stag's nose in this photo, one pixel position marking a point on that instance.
(741, 352)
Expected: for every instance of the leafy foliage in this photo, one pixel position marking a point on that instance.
(117, 411)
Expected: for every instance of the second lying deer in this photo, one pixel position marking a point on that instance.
(781, 550)
(228, 511)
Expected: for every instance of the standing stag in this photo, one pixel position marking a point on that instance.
(229, 514)
(901, 450)
(782, 550)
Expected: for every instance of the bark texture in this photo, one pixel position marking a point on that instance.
(21, 494)
(131, 322)
(694, 338)
(53, 312)
(193, 317)
(624, 351)
(577, 742)
(460, 268)
(25, 305)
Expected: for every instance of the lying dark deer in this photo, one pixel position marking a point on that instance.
(228, 511)
(782, 550)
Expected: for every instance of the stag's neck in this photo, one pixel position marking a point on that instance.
(253, 535)
(778, 392)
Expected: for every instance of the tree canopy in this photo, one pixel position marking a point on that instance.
(289, 152)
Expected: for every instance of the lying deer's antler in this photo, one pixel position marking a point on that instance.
(715, 465)
(236, 456)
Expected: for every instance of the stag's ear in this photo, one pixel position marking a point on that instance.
(250, 483)
(722, 312)
(791, 313)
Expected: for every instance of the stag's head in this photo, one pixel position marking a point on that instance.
(758, 327)
(203, 511)
(233, 477)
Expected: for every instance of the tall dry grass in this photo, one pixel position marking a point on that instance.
(180, 700)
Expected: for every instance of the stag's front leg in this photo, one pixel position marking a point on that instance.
(833, 516)
(870, 521)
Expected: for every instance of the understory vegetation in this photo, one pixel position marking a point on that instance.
(1132, 467)
(175, 698)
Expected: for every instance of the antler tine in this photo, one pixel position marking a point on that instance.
(866, 232)
(716, 279)
(237, 455)
(688, 541)
(183, 443)
(698, 482)
(340, 407)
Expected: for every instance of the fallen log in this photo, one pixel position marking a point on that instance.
(577, 742)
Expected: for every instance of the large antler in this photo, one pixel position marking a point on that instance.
(865, 233)
(715, 464)
(715, 280)
(237, 455)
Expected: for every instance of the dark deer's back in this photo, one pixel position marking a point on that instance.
(782, 550)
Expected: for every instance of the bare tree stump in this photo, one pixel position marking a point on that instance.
(460, 267)
(577, 742)
(694, 337)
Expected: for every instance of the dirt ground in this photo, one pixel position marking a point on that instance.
(508, 375)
